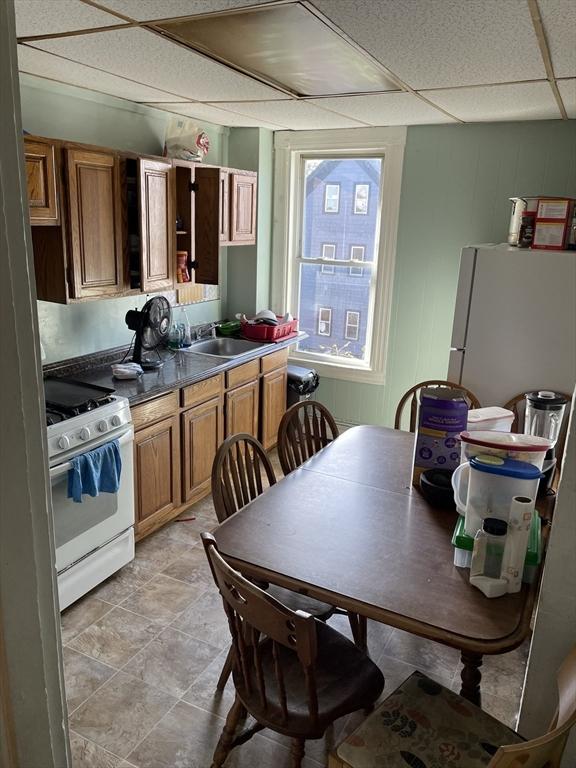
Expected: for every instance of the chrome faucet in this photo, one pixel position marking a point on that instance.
(207, 331)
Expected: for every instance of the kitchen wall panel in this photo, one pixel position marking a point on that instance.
(455, 190)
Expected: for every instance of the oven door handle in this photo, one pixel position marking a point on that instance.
(61, 469)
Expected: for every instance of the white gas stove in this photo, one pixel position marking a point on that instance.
(96, 537)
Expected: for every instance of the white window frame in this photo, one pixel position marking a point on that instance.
(331, 184)
(355, 325)
(328, 269)
(361, 213)
(329, 321)
(290, 147)
(359, 270)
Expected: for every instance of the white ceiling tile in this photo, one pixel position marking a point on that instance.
(559, 19)
(148, 10)
(568, 92)
(385, 109)
(43, 64)
(293, 114)
(148, 58)
(34, 17)
(435, 43)
(520, 101)
(215, 115)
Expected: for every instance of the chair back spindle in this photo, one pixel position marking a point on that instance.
(238, 473)
(305, 429)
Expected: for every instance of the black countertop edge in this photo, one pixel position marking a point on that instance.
(179, 370)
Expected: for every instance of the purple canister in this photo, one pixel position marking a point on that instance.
(443, 414)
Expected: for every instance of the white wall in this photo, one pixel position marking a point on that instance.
(555, 624)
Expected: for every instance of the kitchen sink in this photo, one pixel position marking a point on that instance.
(225, 347)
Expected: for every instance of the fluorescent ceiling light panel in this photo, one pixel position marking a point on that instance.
(285, 45)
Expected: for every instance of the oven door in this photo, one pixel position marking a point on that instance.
(80, 529)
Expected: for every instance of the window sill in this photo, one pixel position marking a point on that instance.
(339, 371)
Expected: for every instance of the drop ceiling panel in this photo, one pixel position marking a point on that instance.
(147, 10)
(215, 115)
(385, 109)
(435, 43)
(559, 18)
(43, 64)
(34, 17)
(521, 101)
(148, 58)
(295, 115)
(568, 93)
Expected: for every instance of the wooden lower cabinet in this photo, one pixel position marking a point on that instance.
(242, 409)
(157, 474)
(273, 405)
(202, 433)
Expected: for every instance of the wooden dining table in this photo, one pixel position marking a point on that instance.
(348, 528)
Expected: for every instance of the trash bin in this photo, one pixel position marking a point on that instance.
(302, 382)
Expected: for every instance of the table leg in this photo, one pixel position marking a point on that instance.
(471, 676)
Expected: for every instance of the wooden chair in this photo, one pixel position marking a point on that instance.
(422, 720)
(413, 392)
(305, 428)
(292, 673)
(238, 473)
(518, 407)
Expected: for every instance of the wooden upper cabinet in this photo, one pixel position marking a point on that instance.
(95, 230)
(42, 182)
(224, 207)
(157, 225)
(243, 203)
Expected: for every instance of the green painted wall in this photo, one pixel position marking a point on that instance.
(248, 273)
(455, 189)
(67, 112)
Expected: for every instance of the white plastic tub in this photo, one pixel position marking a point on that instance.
(507, 445)
(491, 418)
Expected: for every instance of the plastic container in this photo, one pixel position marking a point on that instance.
(544, 414)
(441, 417)
(491, 418)
(264, 332)
(485, 486)
(488, 551)
(464, 544)
(504, 444)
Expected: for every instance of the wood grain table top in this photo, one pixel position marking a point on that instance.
(348, 528)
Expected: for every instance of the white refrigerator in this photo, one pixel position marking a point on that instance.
(514, 323)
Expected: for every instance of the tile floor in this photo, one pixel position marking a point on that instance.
(143, 651)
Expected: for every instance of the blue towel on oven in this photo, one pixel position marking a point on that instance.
(95, 472)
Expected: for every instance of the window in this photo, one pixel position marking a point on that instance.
(331, 198)
(324, 321)
(356, 254)
(328, 252)
(352, 329)
(361, 192)
(313, 168)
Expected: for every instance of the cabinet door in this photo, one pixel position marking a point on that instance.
(224, 209)
(242, 410)
(157, 472)
(273, 405)
(95, 227)
(157, 230)
(41, 180)
(243, 188)
(202, 433)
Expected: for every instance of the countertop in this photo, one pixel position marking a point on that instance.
(179, 370)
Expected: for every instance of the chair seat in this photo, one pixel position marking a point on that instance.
(347, 680)
(298, 602)
(424, 725)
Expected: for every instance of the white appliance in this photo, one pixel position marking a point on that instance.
(96, 537)
(515, 322)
